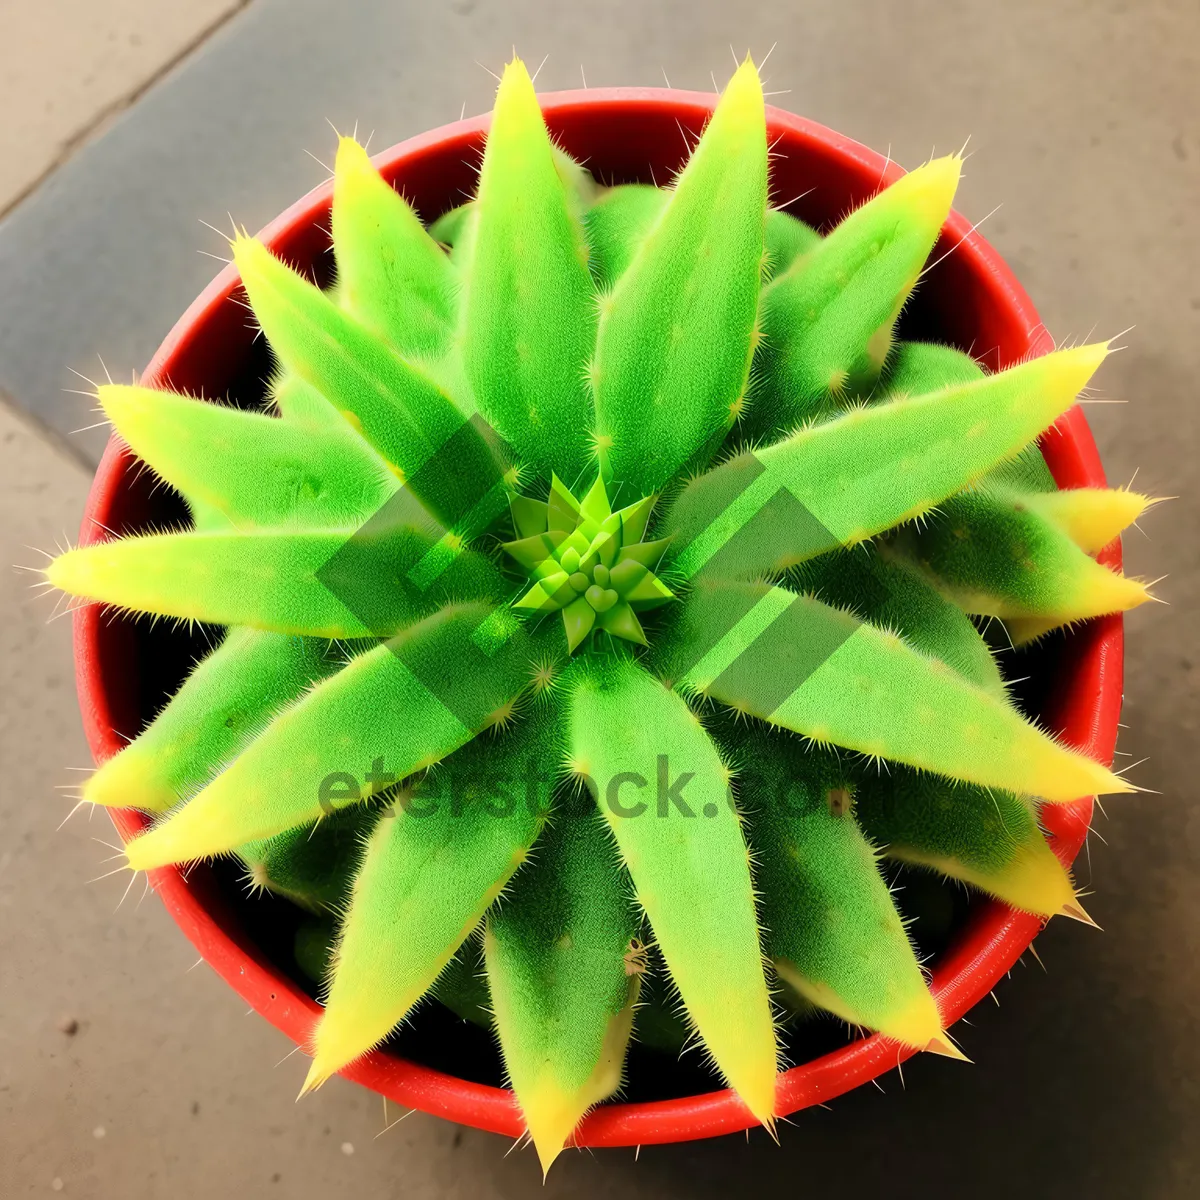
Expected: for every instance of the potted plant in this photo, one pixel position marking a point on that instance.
(600, 577)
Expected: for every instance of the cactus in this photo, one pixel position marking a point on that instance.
(577, 535)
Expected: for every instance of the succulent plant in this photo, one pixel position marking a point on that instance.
(594, 553)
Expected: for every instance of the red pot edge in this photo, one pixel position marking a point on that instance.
(1087, 717)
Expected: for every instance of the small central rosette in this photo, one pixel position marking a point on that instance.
(588, 561)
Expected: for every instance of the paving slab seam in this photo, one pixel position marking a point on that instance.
(101, 120)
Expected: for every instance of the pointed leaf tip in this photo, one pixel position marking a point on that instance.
(515, 84)
(928, 191)
(1067, 372)
(743, 95)
(316, 1077)
(351, 158)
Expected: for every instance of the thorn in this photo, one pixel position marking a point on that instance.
(767, 55)
(667, 81)
(1077, 912)
(494, 76)
(1037, 957)
(401, 1117)
(71, 813)
(533, 77)
(317, 160)
(293, 1050)
(108, 874)
(943, 257)
(128, 888)
(583, 77)
(943, 1046)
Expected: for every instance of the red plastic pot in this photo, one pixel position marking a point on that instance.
(969, 299)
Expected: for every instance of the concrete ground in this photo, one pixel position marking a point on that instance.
(126, 1074)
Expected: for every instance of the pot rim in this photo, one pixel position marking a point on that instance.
(995, 936)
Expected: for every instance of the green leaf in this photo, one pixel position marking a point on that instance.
(664, 792)
(312, 865)
(561, 984)
(230, 696)
(451, 227)
(986, 837)
(993, 553)
(295, 400)
(920, 367)
(788, 239)
(462, 986)
(402, 411)
(277, 578)
(892, 595)
(801, 664)
(849, 479)
(834, 934)
(617, 224)
(828, 320)
(430, 871)
(251, 468)
(390, 712)
(391, 275)
(529, 318)
(676, 333)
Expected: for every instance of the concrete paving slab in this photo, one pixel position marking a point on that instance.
(1084, 121)
(68, 68)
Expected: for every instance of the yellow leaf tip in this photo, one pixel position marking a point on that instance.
(317, 1075)
(928, 191)
(1068, 371)
(351, 156)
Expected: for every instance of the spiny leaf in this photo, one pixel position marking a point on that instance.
(664, 791)
(986, 837)
(529, 319)
(622, 216)
(788, 239)
(828, 320)
(402, 411)
(849, 479)
(391, 275)
(312, 865)
(230, 696)
(992, 552)
(616, 225)
(276, 578)
(430, 871)
(451, 228)
(892, 595)
(296, 400)
(818, 671)
(252, 468)
(462, 986)
(393, 710)
(1090, 517)
(834, 933)
(920, 367)
(561, 984)
(675, 337)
